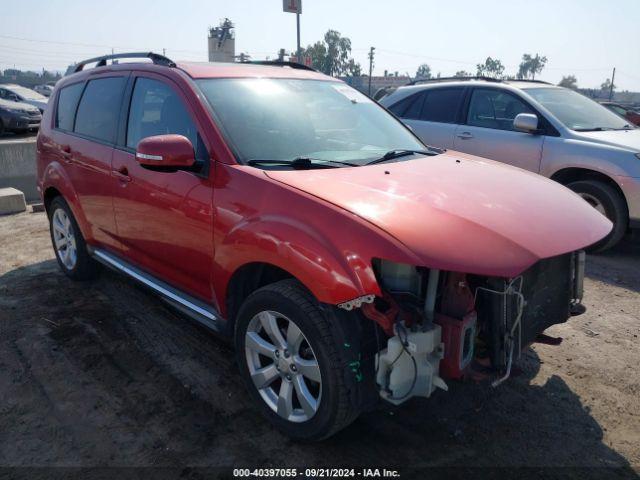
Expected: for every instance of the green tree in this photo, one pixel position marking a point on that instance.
(462, 73)
(570, 81)
(531, 66)
(490, 68)
(332, 56)
(423, 72)
(606, 85)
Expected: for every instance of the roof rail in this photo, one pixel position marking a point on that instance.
(102, 61)
(445, 79)
(526, 80)
(280, 63)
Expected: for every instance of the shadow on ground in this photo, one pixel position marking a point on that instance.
(618, 266)
(103, 374)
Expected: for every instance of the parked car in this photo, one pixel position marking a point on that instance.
(630, 114)
(287, 211)
(44, 90)
(546, 129)
(16, 93)
(18, 117)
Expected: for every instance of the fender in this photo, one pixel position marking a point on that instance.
(606, 159)
(327, 248)
(331, 272)
(55, 176)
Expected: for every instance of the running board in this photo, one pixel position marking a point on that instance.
(194, 308)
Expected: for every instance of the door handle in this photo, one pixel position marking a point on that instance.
(122, 174)
(464, 135)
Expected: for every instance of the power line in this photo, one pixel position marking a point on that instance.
(90, 45)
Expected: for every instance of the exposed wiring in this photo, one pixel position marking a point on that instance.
(510, 338)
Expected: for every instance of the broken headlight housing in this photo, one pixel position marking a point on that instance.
(398, 278)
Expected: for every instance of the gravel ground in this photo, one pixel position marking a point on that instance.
(104, 374)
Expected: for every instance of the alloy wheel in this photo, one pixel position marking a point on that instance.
(64, 239)
(283, 366)
(594, 202)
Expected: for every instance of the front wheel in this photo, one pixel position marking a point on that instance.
(609, 203)
(287, 352)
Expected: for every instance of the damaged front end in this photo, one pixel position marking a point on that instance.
(443, 325)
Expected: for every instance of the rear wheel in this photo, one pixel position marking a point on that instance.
(68, 243)
(287, 352)
(608, 202)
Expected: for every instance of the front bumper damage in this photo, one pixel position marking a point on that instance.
(445, 326)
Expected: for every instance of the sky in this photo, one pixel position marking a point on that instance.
(585, 38)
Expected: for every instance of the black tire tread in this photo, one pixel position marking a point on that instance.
(346, 412)
(617, 211)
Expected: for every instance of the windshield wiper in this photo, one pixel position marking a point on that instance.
(302, 163)
(393, 154)
(594, 129)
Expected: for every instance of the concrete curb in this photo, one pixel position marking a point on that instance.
(18, 165)
(11, 201)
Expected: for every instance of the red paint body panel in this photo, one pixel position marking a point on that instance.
(164, 223)
(327, 248)
(461, 213)
(165, 151)
(322, 226)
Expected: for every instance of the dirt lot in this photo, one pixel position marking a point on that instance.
(103, 374)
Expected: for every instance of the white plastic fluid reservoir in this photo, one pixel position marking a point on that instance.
(398, 377)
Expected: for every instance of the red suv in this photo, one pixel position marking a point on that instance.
(348, 261)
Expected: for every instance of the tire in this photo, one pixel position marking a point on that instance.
(610, 203)
(68, 244)
(281, 305)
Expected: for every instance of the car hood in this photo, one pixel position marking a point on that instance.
(40, 104)
(22, 105)
(629, 139)
(461, 213)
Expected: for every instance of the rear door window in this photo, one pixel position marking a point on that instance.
(67, 104)
(99, 108)
(441, 105)
(156, 109)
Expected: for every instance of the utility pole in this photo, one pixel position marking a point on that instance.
(613, 77)
(164, 52)
(371, 53)
(295, 6)
(298, 51)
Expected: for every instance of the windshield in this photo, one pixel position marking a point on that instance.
(576, 111)
(285, 119)
(28, 94)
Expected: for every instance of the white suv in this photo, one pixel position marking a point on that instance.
(540, 127)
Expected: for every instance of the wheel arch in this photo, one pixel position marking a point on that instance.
(49, 194)
(245, 280)
(55, 182)
(574, 174)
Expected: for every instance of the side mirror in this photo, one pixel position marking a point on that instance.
(526, 122)
(165, 152)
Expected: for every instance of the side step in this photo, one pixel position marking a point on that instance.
(194, 308)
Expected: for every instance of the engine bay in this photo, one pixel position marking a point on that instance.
(441, 326)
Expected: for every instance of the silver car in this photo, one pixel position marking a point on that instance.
(16, 93)
(540, 127)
